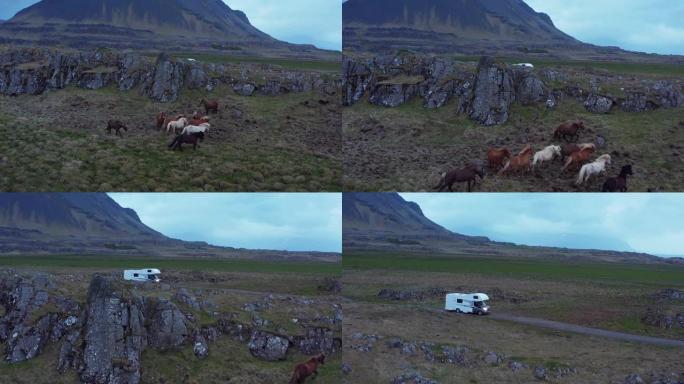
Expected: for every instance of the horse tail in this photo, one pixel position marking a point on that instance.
(442, 182)
(295, 377)
(582, 174)
(505, 168)
(173, 143)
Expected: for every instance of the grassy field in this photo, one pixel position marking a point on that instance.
(407, 148)
(666, 275)
(611, 66)
(106, 262)
(286, 143)
(294, 64)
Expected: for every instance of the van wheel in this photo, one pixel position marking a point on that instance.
(479, 313)
(458, 310)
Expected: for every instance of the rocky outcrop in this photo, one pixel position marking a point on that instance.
(356, 78)
(114, 335)
(35, 71)
(637, 102)
(599, 104)
(168, 327)
(268, 346)
(493, 94)
(412, 378)
(668, 95)
(529, 89)
(317, 340)
(656, 317)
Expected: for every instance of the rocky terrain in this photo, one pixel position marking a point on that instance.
(388, 223)
(412, 117)
(276, 129)
(184, 25)
(94, 328)
(395, 330)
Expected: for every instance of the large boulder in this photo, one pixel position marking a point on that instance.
(167, 324)
(268, 346)
(114, 335)
(529, 89)
(356, 78)
(669, 95)
(27, 342)
(656, 317)
(166, 82)
(395, 92)
(493, 93)
(637, 102)
(596, 103)
(412, 378)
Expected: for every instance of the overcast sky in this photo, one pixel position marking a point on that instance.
(317, 22)
(650, 223)
(653, 26)
(278, 221)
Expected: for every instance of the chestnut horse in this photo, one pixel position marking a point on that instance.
(568, 149)
(578, 158)
(192, 138)
(210, 106)
(522, 160)
(496, 157)
(468, 174)
(569, 129)
(618, 183)
(304, 370)
(199, 120)
(161, 117)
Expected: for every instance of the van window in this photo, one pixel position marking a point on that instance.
(136, 275)
(459, 301)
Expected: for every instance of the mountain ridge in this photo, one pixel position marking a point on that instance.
(391, 223)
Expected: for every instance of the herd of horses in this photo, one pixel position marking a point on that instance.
(572, 155)
(187, 130)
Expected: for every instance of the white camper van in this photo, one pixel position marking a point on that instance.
(467, 303)
(151, 274)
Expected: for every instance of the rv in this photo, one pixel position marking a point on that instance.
(151, 274)
(467, 303)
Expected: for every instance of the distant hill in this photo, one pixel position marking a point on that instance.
(183, 25)
(93, 223)
(387, 222)
(467, 27)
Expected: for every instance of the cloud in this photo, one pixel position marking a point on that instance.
(281, 221)
(653, 26)
(626, 222)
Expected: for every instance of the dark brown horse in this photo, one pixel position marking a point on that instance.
(304, 370)
(116, 125)
(569, 129)
(161, 117)
(496, 157)
(192, 138)
(519, 162)
(578, 158)
(466, 175)
(210, 106)
(618, 183)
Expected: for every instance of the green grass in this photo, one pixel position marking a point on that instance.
(108, 262)
(615, 67)
(294, 64)
(635, 273)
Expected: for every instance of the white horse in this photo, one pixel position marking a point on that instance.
(177, 124)
(546, 154)
(190, 129)
(592, 169)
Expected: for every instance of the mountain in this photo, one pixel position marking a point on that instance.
(95, 224)
(467, 27)
(183, 25)
(387, 222)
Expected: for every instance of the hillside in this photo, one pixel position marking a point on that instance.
(94, 224)
(466, 27)
(183, 25)
(387, 222)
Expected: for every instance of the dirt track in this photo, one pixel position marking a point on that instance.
(588, 331)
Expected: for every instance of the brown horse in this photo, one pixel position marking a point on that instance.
(199, 120)
(161, 117)
(116, 125)
(521, 161)
(304, 370)
(578, 158)
(568, 149)
(210, 106)
(468, 174)
(496, 157)
(569, 129)
(193, 138)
